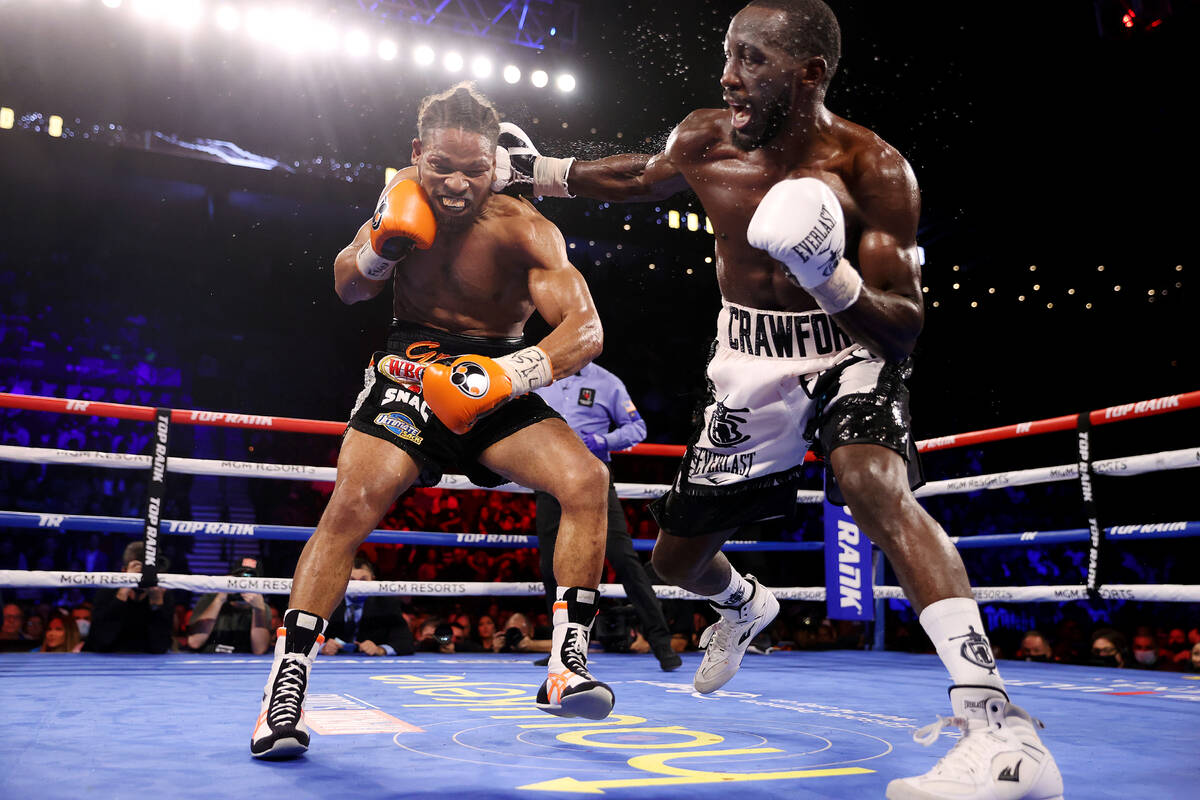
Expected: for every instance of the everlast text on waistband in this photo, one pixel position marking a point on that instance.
(777, 334)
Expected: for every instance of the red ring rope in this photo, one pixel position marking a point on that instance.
(1145, 408)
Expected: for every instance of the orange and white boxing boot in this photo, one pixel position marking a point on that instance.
(569, 689)
(280, 731)
(1000, 755)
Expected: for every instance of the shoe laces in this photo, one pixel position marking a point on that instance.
(971, 754)
(288, 694)
(574, 652)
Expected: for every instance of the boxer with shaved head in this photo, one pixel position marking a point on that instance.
(816, 256)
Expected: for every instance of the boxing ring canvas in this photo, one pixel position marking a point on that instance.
(834, 724)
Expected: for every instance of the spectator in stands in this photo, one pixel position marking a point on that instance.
(1145, 652)
(485, 629)
(129, 619)
(1109, 649)
(369, 625)
(35, 627)
(61, 634)
(1194, 661)
(518, 637)
(1035, 647)
(435, 636)
(242, 625)
(12, 635)
(1177, 651)
(94, 558)
(82, 614)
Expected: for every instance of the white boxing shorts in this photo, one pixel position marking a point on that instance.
(780, 383)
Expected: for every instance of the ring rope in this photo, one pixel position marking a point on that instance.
(251, 530)
(1144, 408)
(1167, 593)
(1127, 465)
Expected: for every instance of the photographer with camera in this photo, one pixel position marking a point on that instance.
(596, 405)
(131, 619)
(242, 624)
(370, 626)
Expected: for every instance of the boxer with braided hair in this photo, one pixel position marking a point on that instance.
(467, 268)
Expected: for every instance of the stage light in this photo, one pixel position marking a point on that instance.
(388, 174)
(424, 55)
(512, 73)
(921, 255)
(565, 82)
(387, 49)
(954, 286)
(453, 61)
(539, 78)
(690, 271)
(148, 9)
(481, 67)
(228, 18)
(708, 259)
(708, 226)
(6, 118)
(693, 221)
(321, 36)
(357, 44)
(183, 14)
(54, 125)
(672, 219)
(259, 24)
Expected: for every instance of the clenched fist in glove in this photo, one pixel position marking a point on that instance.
(404, 219)
(471, 387)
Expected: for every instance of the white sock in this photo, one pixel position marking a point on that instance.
(736, 593)
(956, 630)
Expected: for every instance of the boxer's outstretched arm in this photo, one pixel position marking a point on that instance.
(561, 296)
(890, 311)
(631, 177)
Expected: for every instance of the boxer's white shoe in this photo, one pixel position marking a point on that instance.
(569, 689)
(725, 641)
(1000, 757)
(280, 731)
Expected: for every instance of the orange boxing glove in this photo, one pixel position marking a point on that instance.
(471, 387)
(403, 219)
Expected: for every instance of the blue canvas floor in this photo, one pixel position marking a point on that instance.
(795, 725)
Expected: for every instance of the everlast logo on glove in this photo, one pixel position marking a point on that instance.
(811, 245)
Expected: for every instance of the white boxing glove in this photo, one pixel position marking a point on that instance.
(528, 167)
(799, 223)
(503, 175)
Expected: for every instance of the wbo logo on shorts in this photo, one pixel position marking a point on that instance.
(401, 426)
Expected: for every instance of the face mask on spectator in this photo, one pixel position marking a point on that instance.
(1103, 661)
(84, 626)
(1037, 658)
(1145, 657)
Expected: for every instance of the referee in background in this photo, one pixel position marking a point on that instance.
(596, 405)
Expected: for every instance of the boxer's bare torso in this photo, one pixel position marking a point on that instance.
(474, 281)
(731, 182)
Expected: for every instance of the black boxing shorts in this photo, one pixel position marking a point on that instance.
(394, 411)
(781, 384)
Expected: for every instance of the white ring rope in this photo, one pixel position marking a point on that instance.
(1163, 593)
(1128, 465)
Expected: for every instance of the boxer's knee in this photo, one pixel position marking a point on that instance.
(675, 565)
(582, 485)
